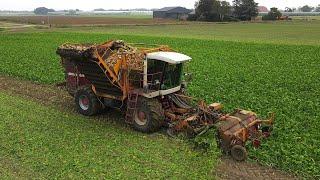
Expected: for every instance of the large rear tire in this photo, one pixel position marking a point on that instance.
(87, 102)
(149, 115)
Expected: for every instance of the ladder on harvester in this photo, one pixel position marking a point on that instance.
(131, 106)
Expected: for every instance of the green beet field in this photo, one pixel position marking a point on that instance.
(261, 77)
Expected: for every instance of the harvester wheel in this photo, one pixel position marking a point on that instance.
(239, 153)
(149, 115)
(87, 102)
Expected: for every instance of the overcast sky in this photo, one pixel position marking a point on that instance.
(130, 4)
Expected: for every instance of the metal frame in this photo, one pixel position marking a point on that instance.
(161, 92)
(145, 73)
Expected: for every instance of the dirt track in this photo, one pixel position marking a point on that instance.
(53, 96)
(76, 20)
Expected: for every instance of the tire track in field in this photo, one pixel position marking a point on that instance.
(57, 97)
(230, 169)
(49, 95)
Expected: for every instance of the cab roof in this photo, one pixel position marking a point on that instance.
(169, 57)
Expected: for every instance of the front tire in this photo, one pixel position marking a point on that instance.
(149, 115)
(87, 102)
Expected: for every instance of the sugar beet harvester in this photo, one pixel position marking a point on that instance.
(147, 83)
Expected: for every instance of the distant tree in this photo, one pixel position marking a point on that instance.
(225, 9)
(212, 10)
(245, 9)
(43, 11)
(306, 8)
(203, 9)
(274, 14)
(317, 9)
(99, 9)
(72, 12)
(287, 9)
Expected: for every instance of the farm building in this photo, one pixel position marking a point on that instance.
(171, 13)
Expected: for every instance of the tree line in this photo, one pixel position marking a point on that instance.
(240, 10)
(217, 10)
(305, 8)
(46, 11)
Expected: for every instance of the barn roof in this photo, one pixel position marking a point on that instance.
(167, 8)
(175, 9)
